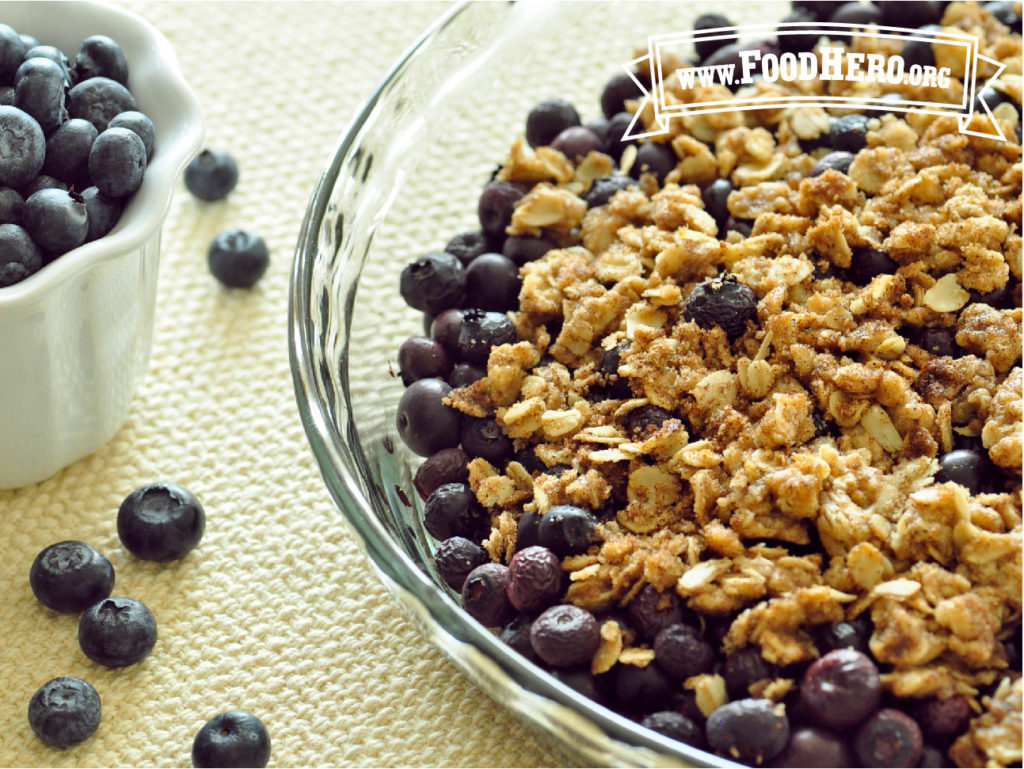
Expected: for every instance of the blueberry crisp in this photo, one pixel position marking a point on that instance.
(723, 427)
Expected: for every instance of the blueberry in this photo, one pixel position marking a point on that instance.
(565, 635)
(576, 142)
(117, 162)
(7, 95)
(433, 282)
(932, 757)
(681, 651)
(237, 258)
(567, 530)
(516, 633)
(795, 40)
(455, 558)
(524, 248)
(420, 357)
(19, 255)
(67, 152)
(848, 133)
(855, 13)
(911, 13)
(938, 341)
(732, 224)
(64, 711)
(845, 634)
(818, 9)
(12, 206)
(722, 302)
(140, 123)
(29, 41)
(651, 611)
(604, 188)
(481, 330)
(101, 57)
(580, 679)
(716, 200)
(838, 160)
(841, 688)
(235, 738)
(643, 421)
(70, 576)
(658, 158)
(867, 263)
(211, 175)
(1000, 298)
(888, 738)
(614, 143)
(642, 689)
(12, 52)
(54, 54)
(1005, 13)
(971, 469)
(492, 283)
(464, 374)
(497, 201)
(444, 328)
(743, 668)
(919, 51)
(674, 725)
(56, 219)
(527, 530)
(484, 595)
(39, 91)
(452, 510)
(599, 126)
(117, 632)
(705, 47)
(444, 466)
(812, 746)
(160, 522)
(732, 54)
(467, 245)
(22, 147)
(944, 720)
(98, 100)
(484, 438)
(102, 212)
(548, 119)
(619, 89)
(534, 578)
(753, 731)
(43, 182)
(424, 422)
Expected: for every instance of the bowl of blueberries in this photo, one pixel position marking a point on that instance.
(98, 123)
(492, 288)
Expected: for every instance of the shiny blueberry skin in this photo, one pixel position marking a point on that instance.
(54, 54)
(484, 595)
(716, 198)
(652, 611)
(812, 746)
(39, 90)
(64, 711)
(101, 56)
(681, 651)
(920, 51)
(888, 738)
(481, 330)
(102, 212)
(140, 123)
(433, 282)
(743, 668)
(705, 48)
(534, 578)
(722, 302)
(70, 576)
(19, 255)
(548, 119)
(576, 142)
(565, 635)
(484, 438)
(56, 219)
(233, 739)
(425, 423)
(492, 283)
(848, 133)
(604, 188)
(614, 143)
(117, 162)
(970, 468)
(445, 329)
(445, 466)
(67, 151)
(523, 248)
(567, 530)
(455, 558)
(497, 201)
(237, 258)
(841, 688)
(527, 530)
(160, 522)
(658, 159)
(420, 357)
(12, 52)
(674, 725)
(838, 160)
(868, 263)
(211, 175)
(117, 632)
(22, 147)
(619, 88)
(847, 634)
(753, 731)
(452, 510)
(464, 374)
(98, 100)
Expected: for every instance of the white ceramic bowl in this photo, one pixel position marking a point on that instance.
(75, 336)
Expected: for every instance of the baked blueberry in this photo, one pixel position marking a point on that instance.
(918, 51)
(576, 142)
(854, 13)
(117, 162)
(480, 331)
(102, 212)
(733, 54)
(838, 160)
(849, 132)
(841, 688)
(455, 558)
(682, 651)
(452, 510)
(12, 206)
(494, 209)
(651, 611)
(420, 357)
(484, 438)
(527, 530)
(617, 91)
(492, 283)
(235, 738)
(795, 40)
(614, 141)
(464, 374)
(444, 466)
(117, 632)
(716, 200)
(812, 746)
(548, 119)
(647, 419)
(516, 633)
(433, 282)
(70, 576)
(98, 100)
(743, 668)
(943, 719)
(64, 711)
(237, 258)
(973, 470)
(658, 158)
(938, 341)
(19, 255)
(56, 219)
(641, 689)
(101, 56)
(138, 122)
(845, 634)
(604, 188)
(211, 175)
(467, 245)
(867, 263)
(525, 248)
(160, 522)
(911, 13)
(22, 147)
(534, 578)
(567, 530)
(565, 635)
(484, 595)
(703, 45)
(424, 422)
(674, 725)
(67, 152)
(750, 730)
(39, 88)
(888, 738)
(722, 302)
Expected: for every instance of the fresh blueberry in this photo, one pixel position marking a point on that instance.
(579, 678)
(911, 13)
(19, 255)
(117, 632)
(102, 211)
(743, 668)
(615, 142)
(64, 711)
(682, 651)
(444, 328)
(211, 175)
(467, 245)
(867, 263)
(12, 52)
(452, 510)
(98, 100)
(716, 200)
(54, 54)
(481, 330)
(919, 51)
(39, 90)
(101, 57)
(651, 611)
(22, 147)
(433, 282)
(576, 142)
(534, 579)
(617, 91)
(892, 97)
(753, 731)
(565, 635)
(492, 283)
(973, 470)
(524, 248)
(812, 746)
(841, 688)
(43, 182)
(424, 422)
(733, 54)
(722, 302)
(67, 152)
(849, 132)
(838, 160)
(604, 188)
(705, 47)
(845, 634)
(160, 522)
(29, 40)
(237, 258)
(464, 374)
(455, 558)
(140, 123)
(641, 689)
(794, 40)
(548, 119)
(657, 158)
(674, 725)
(527, 530)
(70, 576)
(420, 357)
(117, 162)
(497, 201)
(484, 438)
(599, 127)
(234, 739)
(484, 595)
(7, 95)
(12, 206)
(567, 530)
(888, 738)
(56, 219)
(943, 719)
(441, 467)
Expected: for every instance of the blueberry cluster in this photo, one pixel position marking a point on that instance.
(73, 148)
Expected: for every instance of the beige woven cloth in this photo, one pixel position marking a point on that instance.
(276, 612)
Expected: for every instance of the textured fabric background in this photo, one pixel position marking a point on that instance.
(276, 611)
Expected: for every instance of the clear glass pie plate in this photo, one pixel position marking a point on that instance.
(404, 178)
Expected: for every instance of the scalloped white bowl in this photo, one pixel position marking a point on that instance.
(75, 336)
